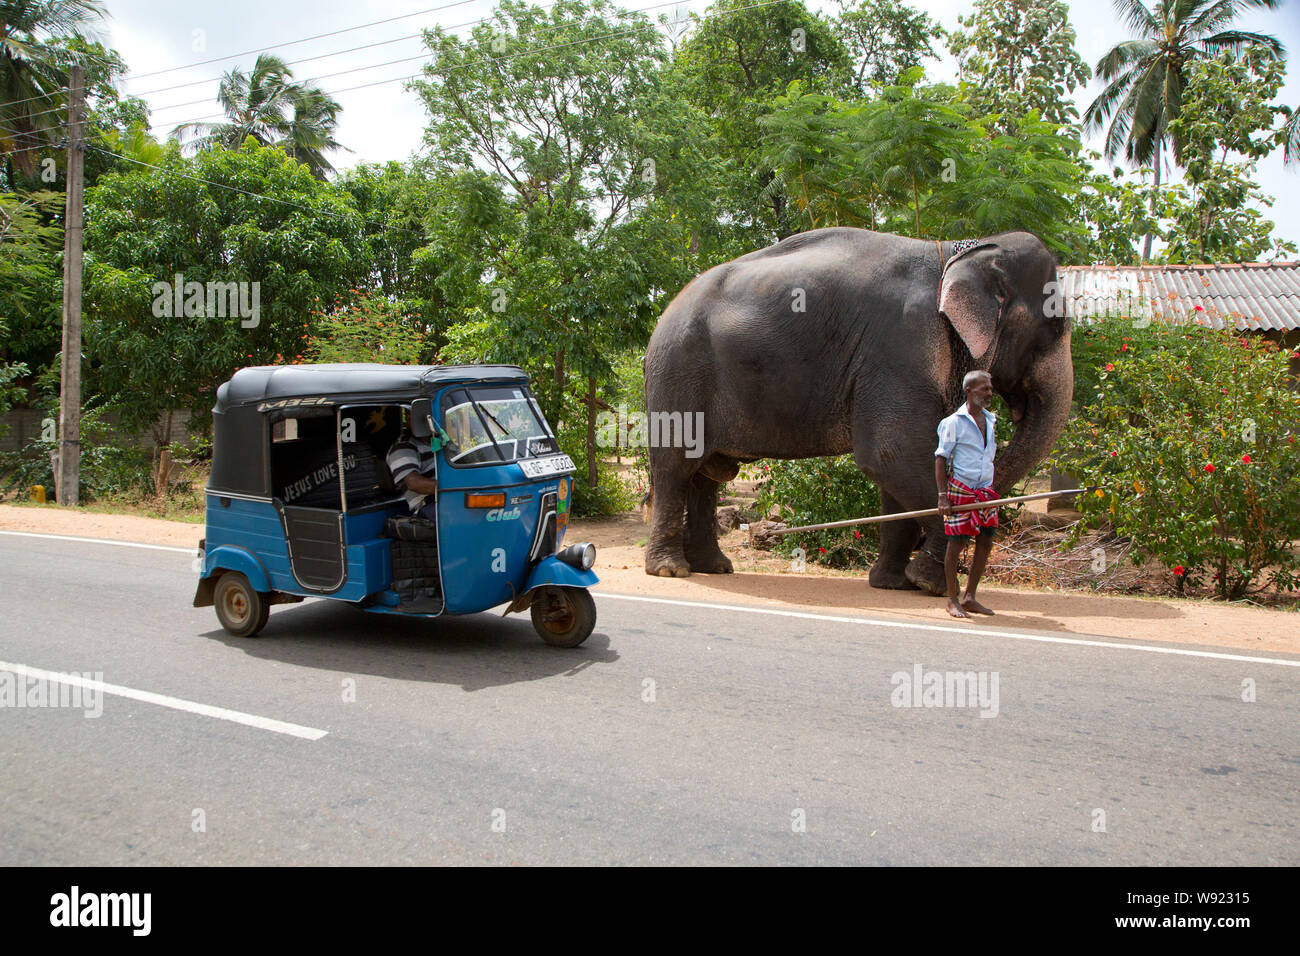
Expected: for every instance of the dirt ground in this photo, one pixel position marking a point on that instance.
(619, 564)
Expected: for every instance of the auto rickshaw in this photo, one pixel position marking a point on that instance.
(301, 501)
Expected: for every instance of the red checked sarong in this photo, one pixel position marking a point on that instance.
(969, 522)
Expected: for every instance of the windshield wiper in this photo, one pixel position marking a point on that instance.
(494, 419)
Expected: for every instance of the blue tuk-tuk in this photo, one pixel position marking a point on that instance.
(301, 501)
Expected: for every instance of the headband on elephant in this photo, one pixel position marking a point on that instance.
(964, 299)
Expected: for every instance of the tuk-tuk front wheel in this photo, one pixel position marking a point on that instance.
(564, 617)
(241, 610)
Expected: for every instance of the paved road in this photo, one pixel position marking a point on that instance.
(676, 734)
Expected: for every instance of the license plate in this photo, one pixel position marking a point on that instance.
(545, 467)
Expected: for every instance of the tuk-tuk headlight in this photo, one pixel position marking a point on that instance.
(579, 555)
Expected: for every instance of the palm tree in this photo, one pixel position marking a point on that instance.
(310, 132)
(1291, 148)
(1145, 77)
(255, 104)
(267, 105)
(34, 72)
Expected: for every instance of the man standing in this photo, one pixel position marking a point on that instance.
(963, 472)
(414, 467)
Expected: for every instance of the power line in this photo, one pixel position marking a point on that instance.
(547, 29)
(318, 36)
(323, 56)
(509, 56)
(530, 51)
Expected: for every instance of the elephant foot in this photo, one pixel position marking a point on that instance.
(889, 579)
(709, 562)
(927, 574)
(667, 566)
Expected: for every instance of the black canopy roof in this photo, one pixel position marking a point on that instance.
(339, 382)
(254, 396)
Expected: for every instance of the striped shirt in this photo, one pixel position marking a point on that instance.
(410, 455)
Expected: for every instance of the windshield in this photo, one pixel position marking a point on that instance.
(492, 424)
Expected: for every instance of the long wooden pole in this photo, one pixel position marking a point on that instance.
(69, 477)
(929, 511)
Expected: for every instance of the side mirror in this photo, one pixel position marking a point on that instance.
(422, 418)
(422, 425)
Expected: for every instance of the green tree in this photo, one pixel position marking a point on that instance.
(268, 106)
(913, 160)
(1145, 77)
(1018, 56)
(554, 119)
(1117, 213)
(1291, 137)
(34, 72)
(1226, 111)
(884, 38)
(1027, 178)
(739, 58)
(906, 139)
(29, 259)
(249, 216)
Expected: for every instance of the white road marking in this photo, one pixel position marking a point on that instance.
(125, 544)
(1014, 635)
(1182, 652)
(163, 700)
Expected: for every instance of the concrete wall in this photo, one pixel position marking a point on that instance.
(25, 426)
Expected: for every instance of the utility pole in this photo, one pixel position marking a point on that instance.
(69, 477)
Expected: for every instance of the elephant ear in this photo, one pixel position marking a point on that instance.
(972, 293)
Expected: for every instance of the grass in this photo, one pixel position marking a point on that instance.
(187, 508)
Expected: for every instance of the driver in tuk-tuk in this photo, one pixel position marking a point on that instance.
(413, 465)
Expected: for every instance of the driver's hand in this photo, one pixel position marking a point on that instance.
(945, 506)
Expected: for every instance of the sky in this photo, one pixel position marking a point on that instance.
(384, 121)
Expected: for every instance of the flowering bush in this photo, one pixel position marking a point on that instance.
(1190, 435)
(817, 490)
(367, 329)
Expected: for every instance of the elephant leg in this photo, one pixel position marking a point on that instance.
(897, 542)
(702, 551)
(664, 555)
(925, 570)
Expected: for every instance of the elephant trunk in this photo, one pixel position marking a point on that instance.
(1040, 408)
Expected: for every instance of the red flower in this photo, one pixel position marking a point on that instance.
(1109, 367)
(1246, 459)
(1179, 571)
(1123, 348)
(822, 550)
(1114, 454)
(1209, 468)
(1224, 391)
(857, 533)
(1295, 354)
(1199, 309)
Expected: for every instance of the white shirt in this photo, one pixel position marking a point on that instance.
(968, 450)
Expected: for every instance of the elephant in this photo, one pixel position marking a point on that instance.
(838, 340)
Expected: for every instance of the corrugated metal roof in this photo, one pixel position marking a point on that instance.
(1252, 296)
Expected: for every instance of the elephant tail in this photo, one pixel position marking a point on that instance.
(648, 504)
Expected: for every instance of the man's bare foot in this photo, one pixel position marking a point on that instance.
(971, 604)
(955, 609)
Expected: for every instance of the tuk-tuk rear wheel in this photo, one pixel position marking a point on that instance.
(563, 617)
(241, 610)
